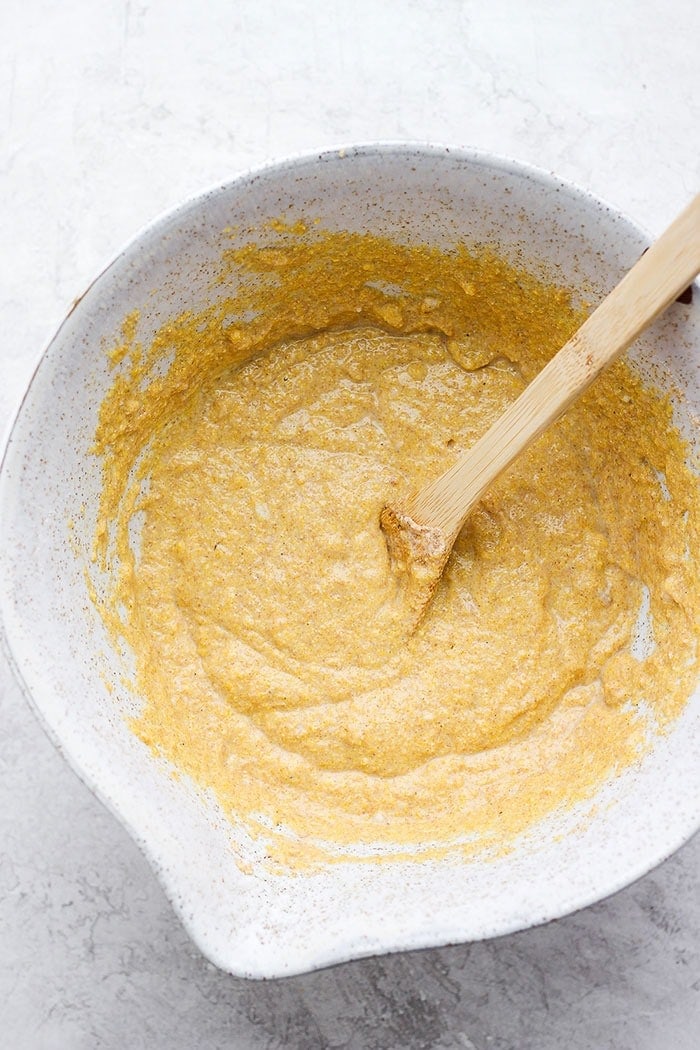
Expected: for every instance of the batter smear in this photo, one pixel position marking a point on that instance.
(239, 528)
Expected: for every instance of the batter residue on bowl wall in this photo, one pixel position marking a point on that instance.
(271, 651)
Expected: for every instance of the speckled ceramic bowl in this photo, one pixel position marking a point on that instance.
(251, 922)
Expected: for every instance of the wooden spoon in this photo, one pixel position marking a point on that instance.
(420, 534)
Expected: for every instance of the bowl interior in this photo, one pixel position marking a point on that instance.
(245, 919)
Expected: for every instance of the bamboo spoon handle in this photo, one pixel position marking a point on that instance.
(668, 267)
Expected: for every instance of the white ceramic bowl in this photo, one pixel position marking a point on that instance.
(260, 924)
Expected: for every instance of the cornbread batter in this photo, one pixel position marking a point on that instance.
(240, 525)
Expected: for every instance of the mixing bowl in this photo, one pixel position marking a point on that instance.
(244, 917)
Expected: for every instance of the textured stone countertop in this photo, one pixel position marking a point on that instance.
(112, 111)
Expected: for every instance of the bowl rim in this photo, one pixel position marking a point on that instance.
(335, 953)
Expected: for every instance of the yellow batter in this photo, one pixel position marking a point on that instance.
(268, 629)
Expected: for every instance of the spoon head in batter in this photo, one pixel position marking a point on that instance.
(418, 555)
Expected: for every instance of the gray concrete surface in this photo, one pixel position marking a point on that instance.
(112, 111)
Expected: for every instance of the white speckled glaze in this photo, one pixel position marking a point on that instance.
(260, 924)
